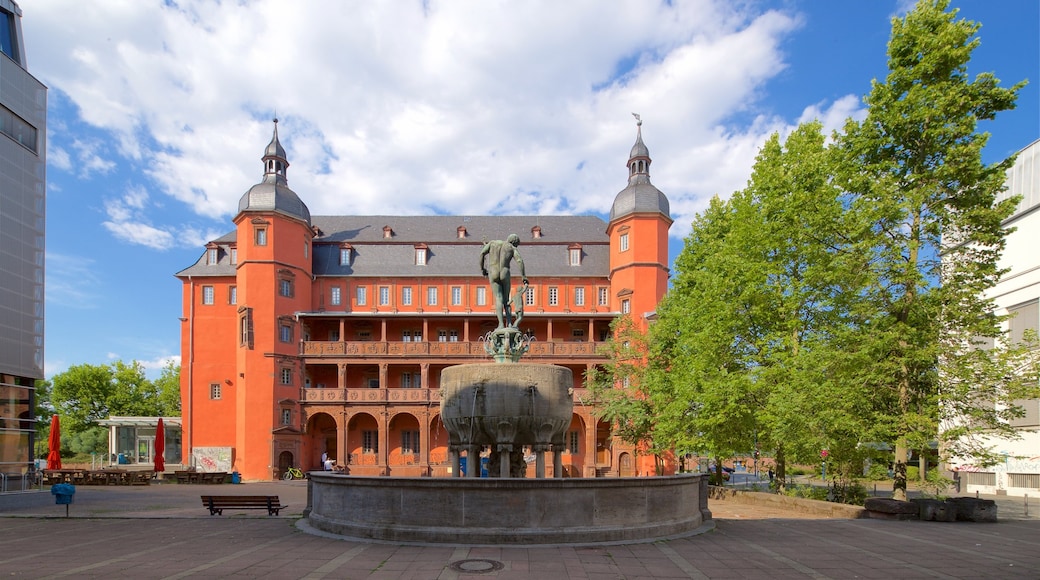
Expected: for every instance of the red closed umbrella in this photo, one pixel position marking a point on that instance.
(160, 447)
(54, 443)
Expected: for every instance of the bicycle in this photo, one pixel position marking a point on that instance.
(293, 473)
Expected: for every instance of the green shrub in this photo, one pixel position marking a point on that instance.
(878, 472)
(807, 492)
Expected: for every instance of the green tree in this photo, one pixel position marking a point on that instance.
(168, 388)
(924, 214)
(85, 394)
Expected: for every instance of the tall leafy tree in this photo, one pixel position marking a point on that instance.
(922, 199)
(168, 390)
(85, 394)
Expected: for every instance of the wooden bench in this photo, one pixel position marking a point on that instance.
(218, 503)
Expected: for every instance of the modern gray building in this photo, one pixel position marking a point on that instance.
(23, 138)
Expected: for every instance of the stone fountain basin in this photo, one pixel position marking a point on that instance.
(520, 403)
(501, 511)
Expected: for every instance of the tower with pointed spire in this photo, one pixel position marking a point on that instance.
(638, 231)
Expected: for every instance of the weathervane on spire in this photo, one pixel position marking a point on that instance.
(639, 121)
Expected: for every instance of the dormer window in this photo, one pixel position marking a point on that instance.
(346, 252)
(388, 232)
(233, 253)
(420, 254)
(536, 232)
(462, 232)
(212, 255)
(574, 255)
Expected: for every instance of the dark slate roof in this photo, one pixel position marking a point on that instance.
(272, 194)
(223, 267)
(447, 254)
(639, 197)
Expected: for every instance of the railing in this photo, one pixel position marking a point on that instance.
(316, 348)
(359, 396)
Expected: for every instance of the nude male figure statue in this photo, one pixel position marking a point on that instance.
(499, 255)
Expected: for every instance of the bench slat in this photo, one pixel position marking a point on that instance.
(218, 503)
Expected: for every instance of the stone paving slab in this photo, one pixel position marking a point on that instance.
(164, 532)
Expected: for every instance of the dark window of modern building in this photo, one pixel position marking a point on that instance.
(7, 44)
(17, 128)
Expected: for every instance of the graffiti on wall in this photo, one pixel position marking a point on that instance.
(212, 459)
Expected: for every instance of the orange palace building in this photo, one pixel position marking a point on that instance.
(308, 335)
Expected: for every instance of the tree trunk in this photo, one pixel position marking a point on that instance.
(899, 471)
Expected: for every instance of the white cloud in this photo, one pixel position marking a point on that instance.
(159, 363)
(457, 107)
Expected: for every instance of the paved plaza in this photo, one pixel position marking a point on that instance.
(162, 531)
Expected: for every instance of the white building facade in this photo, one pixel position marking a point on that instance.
(1018, 294)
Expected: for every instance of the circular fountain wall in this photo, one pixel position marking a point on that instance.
(507, 510)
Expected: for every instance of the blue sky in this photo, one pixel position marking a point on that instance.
(159, 111)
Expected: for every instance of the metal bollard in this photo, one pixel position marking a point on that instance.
(1027, 505)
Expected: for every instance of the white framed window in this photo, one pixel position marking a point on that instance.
(578, 334)
(482, 296)
(406, 380)
(334, 335)
(529, 296)
(207, 295)
(260, 236)
(211, 256)
(306, 250)
(554, 296)
(362, 295)
(344, 256)
(406, 336)
(579, 296)
(442, 335)
(420, 256)
(214, 391)
(245, 329)
(431, 296)
(453, 336)
(409, 442)
(456, 295)
(286, 376)
(575, 256)
(626, 306)
(370, 442)
(285, 287)
(384, 295)
(604, 296)
(406, 295)
(572, 442)
(284, 332)
(232, 295)
(623, 242)
(233, 252)
(334, 297)
(286, 416)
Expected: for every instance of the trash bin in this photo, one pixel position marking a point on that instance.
(63, 493)
(235, 477)
(122, 459)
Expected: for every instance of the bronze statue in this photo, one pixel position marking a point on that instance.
(500, 254)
